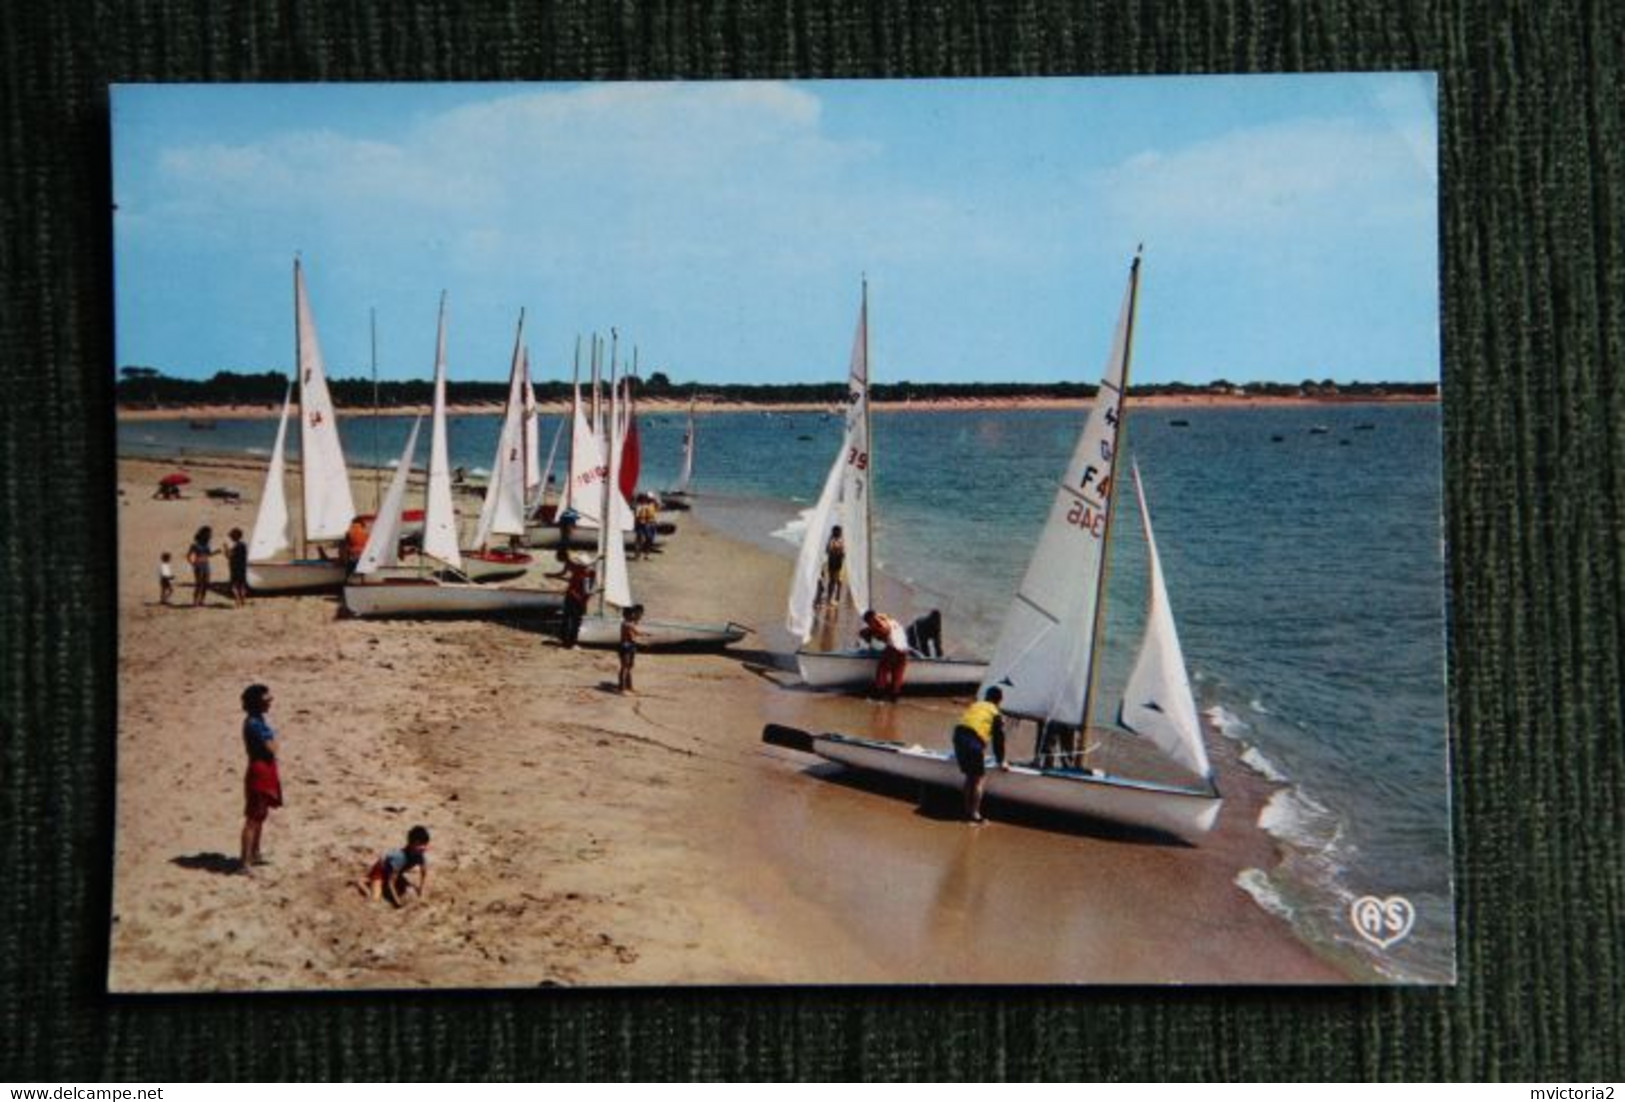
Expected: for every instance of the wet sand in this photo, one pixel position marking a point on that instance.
(583, 837)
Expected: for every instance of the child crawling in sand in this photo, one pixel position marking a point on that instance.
(387, 877)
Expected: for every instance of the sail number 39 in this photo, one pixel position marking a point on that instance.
(855, 458)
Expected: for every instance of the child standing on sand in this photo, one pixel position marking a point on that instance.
(166, 579)
(237, 560)
(629, 644)
(387, 877)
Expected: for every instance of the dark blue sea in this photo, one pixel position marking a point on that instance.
(1303, 554)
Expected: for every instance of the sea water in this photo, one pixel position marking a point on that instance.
(1303, 556)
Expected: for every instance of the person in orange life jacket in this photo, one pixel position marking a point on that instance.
(980, 726)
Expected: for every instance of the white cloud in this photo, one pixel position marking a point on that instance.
(1273, 180)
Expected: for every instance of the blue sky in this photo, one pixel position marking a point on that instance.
(1289, 223)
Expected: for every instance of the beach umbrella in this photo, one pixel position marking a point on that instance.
(176, 479)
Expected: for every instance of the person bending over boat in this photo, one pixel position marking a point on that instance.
(925, 635)
(981, 726)
(878, 627)
(262, 784)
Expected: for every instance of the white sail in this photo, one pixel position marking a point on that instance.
(587, 469)
(687, 473)
(617, 587)
(533, 442)
(384, 541)
(503, 513)
(1046, 646)
(271, 529)
(1157, 701)
(440, 514)
(810, 560)
(547, 469)
(843, 501)
(329, 508)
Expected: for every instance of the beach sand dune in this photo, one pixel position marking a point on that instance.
(582, 837)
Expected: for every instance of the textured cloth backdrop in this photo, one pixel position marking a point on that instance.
(1531, 150)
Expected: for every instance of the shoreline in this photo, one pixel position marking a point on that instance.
(667, 406)
(585, 838)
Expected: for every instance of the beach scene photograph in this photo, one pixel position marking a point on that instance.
(780, 533)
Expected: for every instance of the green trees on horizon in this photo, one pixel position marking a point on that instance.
(148, 387)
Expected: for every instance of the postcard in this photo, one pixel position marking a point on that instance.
(827, 532)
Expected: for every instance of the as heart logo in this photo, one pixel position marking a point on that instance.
(1382, 922)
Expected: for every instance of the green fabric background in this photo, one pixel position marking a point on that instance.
(1531, 157)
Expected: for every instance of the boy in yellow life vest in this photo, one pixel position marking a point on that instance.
(981, 725)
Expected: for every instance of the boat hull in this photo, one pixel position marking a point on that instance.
(854, 669)
(548, 535)
(414, 597)
(298, 576)
(605, 631)
(1186, 813)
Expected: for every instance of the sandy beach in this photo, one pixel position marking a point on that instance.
(582, 837)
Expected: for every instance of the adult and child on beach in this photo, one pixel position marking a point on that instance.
(198, 557)
(262, 793)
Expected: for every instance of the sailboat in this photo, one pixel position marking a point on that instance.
(846, 501)
(1048, 655)
(502, 513)
(324, 478)
(678, 496)
(601, 629)
(375, 588)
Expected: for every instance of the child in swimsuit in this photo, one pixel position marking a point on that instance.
(629, 644)
(387, 877)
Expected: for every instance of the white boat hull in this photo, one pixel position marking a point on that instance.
(583, 537)
(605, 631)
(299, 576)
(852, 669)
(1187, 813)
(428, 597)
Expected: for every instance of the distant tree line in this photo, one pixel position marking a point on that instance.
(147, 387)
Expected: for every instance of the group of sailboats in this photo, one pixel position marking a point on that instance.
(378, 586)
(446, 578)
(1047, 658)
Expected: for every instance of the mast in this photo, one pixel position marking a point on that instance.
(869, 442)
(605, 534)
(377, 470)
(1099, 629)
(299, 373)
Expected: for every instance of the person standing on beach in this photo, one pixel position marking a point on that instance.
(981, 726)
(578, 578)
(262, 785)
(237, 561)
(198, 556)
(630, 634)
(829, 584)
(644, 521)
(878, 627)
(166, 579)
